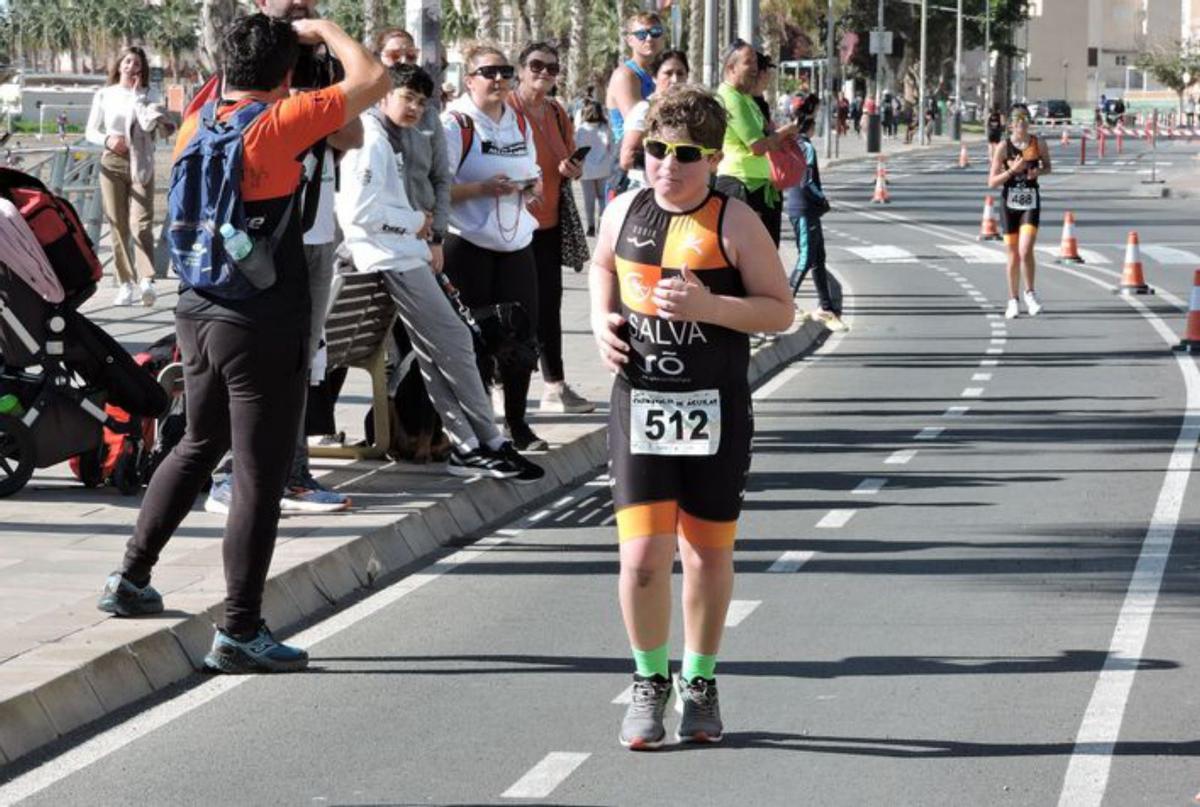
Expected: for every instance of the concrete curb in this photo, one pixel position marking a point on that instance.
(120, 662)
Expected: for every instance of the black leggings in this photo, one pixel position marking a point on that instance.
(484, 277)
(547, 256)
(244, 389)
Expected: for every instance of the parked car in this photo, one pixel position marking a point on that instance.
(1053, 109)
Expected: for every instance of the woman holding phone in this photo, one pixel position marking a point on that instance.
(489, 252)
(554, 137)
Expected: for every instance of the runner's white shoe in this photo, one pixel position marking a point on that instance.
(1032, 304)
(1013, 309)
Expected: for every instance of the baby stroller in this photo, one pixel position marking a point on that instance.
(57, 368)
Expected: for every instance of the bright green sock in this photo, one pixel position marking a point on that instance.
(652, 662)
(698, 664)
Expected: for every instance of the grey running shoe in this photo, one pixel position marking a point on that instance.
(260, 654)
(642, 729)
(701, 722)
(123, 598)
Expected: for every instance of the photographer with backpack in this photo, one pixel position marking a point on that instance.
(243, 315)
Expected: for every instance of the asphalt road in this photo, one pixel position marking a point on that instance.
(965, 573)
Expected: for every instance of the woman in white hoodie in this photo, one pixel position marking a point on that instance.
(124, 123)
(488, 252)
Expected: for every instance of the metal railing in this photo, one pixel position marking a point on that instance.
(71, 171)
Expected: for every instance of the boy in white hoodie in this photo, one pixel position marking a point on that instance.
(384, 234)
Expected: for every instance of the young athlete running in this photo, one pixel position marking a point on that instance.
(681, 275)
(1016, 166)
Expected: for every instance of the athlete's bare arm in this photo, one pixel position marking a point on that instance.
(604, 287)
(999, 173)
(624, 90)
(1044, 155)
(767, 306)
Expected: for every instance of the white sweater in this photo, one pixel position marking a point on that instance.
(501, 224)
(372, 207)
(112, 112)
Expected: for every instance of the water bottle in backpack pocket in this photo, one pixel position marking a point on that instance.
(205, 201)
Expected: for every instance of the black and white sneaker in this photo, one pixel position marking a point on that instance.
(481, 462)
(528, 471)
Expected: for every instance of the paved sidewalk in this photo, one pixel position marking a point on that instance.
(63, 664)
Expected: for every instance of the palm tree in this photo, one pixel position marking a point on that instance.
(578, 64)
(487, 15)
(175, 31)
(215, 15)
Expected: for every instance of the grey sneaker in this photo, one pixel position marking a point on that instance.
(260, 654)
(701, 722)
(564, 399)
(123, 598)
(642, 729)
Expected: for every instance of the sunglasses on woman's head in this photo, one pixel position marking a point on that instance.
(538, 66)
(494, 71)
(642, 34)
(684, 152)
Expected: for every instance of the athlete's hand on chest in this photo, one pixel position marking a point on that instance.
(683, 297)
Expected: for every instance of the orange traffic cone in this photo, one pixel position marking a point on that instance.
(1191, 335)
(963, 160)
(881, 196)
(1068, 251)
(1066, 138)
(988, 231)
(1132, 279)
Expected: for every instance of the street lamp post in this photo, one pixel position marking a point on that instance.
(987, 55)
(828, 85)
(921, 76)
(1066, 65)
(874, 134)
(958, 36)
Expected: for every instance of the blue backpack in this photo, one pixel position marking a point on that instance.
(206, 193)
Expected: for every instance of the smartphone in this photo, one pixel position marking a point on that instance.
(580, 153)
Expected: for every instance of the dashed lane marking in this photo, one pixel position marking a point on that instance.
(929, 433)
(869, 486)
(544, 777)
(994, 351)
(835, 519)
(901, 457)
(956, 411)
(739, 610)
(975, 253)
(982, 377)
(973, 392)
(990, 363)
(790, 561)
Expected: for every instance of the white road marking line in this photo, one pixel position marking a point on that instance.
(883, 253)
(138, 726)
(982, 377)
(739, 610)
(538, 516)
(1091, 760)
(545, 776)
(929, 433)
(956, 411)
(1090, 256)
(993, 316)
(608, 522)
(998, 341)
(835, 519)
(626, 696)
(869, 486)
(1171, 255)
(987, 307)
(791, 561)
(972, 392)
(901, 457)
(990, 363)
(994, 351)
(975, 253)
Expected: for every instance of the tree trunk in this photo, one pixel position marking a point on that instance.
(695, 38)
(374, 17)
(537, 19)
(486, 14)
(578, 68)
(215, 15)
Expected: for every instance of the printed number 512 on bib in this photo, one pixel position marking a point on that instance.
(675, 424)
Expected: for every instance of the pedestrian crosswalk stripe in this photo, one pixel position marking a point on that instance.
(982, 377)
(974, 253)
(836, 519)
(1171, 255)
(973, 392)
(956, 411)
(869, 486)
(883, 253)
(902, 457)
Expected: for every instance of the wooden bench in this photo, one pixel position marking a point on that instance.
(361, 314)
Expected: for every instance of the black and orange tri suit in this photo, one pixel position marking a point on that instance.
(1022, 208)
(681, 419)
